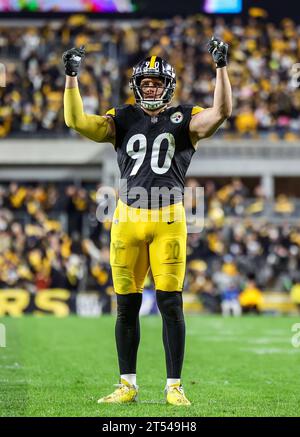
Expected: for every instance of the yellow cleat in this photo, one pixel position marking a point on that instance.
(125, 393)
(175, 395)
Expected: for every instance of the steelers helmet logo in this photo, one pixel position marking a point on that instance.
(177, 117)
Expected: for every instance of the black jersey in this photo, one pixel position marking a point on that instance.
(153, 152)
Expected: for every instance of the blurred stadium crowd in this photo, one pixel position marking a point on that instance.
(261, 59)
(50, 238)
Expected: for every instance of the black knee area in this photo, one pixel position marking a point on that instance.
(128, 307)
(170, 305)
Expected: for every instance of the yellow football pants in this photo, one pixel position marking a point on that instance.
(143, 238)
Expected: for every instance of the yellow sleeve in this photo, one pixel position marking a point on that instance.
(95, 127)
(112, 112)
(196, 110)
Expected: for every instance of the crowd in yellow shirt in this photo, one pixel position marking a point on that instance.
(50, 238)
(261, 58)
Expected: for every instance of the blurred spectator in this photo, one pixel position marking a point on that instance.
(245, 121)
(200, 283)
(251, 297)
(262, 54)
(295, 295)
(50, 237)
(230, 304)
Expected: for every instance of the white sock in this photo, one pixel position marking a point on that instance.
(171, 381)
(130, 378)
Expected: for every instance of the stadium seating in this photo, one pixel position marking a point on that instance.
(262, 56)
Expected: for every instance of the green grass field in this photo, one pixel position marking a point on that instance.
(233, 367)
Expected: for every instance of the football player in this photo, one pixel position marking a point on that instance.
(154, 142)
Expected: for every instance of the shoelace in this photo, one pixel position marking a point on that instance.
(120, 387)
(179, 389)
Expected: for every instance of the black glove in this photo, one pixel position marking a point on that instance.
(218, 49)
(72, 59)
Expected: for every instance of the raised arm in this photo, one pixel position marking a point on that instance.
(206, 122)
(96, 127)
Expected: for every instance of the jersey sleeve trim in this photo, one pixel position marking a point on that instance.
(196, 110)
(112, 112)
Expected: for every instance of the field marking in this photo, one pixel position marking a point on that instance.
(265, 340)
(11, 366)
(152, 402)
(270, 351)
(242, 339)
(276, 331)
